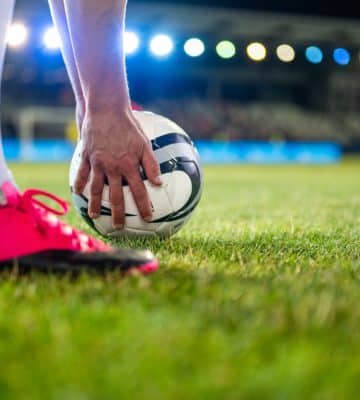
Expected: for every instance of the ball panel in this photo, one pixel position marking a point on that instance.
(155, 125)
(174, 151)
(75, 163)
(193, 172)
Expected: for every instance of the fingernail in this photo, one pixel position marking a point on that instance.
(147, 218)
(158, 180)
(118, 227)
(93, 215)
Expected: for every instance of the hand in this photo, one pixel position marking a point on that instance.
(114, 148)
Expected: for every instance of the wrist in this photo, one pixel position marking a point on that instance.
(102, 104)
(108, 94)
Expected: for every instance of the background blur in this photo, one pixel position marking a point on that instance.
(250, 82)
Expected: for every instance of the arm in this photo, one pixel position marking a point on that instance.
(114, 144)
(58, 14)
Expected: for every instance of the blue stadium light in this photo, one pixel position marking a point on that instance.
(51, 39)
(161, 45)
(17, 35)
(194, 47)
(314, 54)
(341, 56)
(131, 42)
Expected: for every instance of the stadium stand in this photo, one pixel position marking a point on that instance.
(226, 120)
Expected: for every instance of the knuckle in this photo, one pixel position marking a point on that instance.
(96, 193)
(96, 189)
(96, 159)
(117, 207)
(139, 191)
(82, 174)
(112, 169)
(97, 163)
(154, 168)
(128, 166)
(116, 200)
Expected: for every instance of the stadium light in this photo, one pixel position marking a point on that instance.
(285, 53)
(131, 42)
(226, 49)
(341, 56)
(17, 35)
(51, 39)
(256, 51)
(314, 54)
(194, 47)
(161, 45)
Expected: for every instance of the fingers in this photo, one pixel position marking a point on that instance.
(136, 184)
(96, 189)
(82, 176)
(117, 202)
(151, 166)
(140, 195)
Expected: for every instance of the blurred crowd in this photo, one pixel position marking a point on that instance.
(224, 120)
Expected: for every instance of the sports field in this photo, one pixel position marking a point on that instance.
(257, 297)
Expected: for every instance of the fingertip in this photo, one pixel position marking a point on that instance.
(93, 215)
(118, 227)
(152, 168)
(118, 220)
(146, 212)
(157, 180)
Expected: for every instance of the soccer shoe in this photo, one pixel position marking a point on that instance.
(32, 237)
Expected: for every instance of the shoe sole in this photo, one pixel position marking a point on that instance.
(68, 262)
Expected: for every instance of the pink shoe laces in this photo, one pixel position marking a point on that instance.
(45, 217)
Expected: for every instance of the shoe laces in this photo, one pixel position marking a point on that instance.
(45, 216)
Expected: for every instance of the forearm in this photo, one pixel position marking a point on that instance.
(96, 29)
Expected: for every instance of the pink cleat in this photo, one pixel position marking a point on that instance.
(32, 237)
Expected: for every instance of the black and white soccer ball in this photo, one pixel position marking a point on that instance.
(172, 204)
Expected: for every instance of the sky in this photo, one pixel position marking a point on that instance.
(334, 8)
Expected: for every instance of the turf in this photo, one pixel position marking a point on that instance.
(257, 297)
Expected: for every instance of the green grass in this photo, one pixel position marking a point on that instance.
(257, 297)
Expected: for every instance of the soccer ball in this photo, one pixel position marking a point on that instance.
(172, 204)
